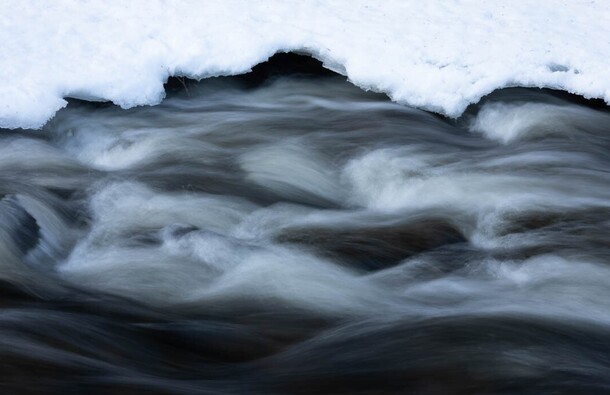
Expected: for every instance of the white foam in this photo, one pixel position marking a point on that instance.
(399, 179)
(435, 55)
(293, 171)
(512, 122)
(202, 264)
(118, 206)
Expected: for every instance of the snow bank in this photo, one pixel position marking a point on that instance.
(437, 55)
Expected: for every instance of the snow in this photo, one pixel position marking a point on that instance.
(438, 55)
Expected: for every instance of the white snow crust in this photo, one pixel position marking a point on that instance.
(438, 55)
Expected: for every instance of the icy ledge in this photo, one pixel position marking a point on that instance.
(437, 55)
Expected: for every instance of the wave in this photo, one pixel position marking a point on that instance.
(302, 235)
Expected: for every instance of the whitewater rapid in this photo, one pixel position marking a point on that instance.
(302, 236)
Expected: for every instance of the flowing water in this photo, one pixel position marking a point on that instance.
(303, 236)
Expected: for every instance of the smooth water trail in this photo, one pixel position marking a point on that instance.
(304, 236)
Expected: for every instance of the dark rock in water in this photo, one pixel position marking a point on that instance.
(567, 232)
(21, 226)
(527, 221)
(375, 247)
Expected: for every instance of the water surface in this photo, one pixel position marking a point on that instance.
(301, 236)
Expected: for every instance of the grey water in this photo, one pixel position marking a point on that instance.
(300, 235)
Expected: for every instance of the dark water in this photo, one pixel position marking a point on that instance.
(303, 236)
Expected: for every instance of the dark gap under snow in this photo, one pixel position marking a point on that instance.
(285, 232)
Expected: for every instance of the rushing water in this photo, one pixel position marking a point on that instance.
(305, 236)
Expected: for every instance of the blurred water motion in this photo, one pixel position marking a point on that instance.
(294, 234)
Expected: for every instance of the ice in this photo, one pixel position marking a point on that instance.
(436, 55)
